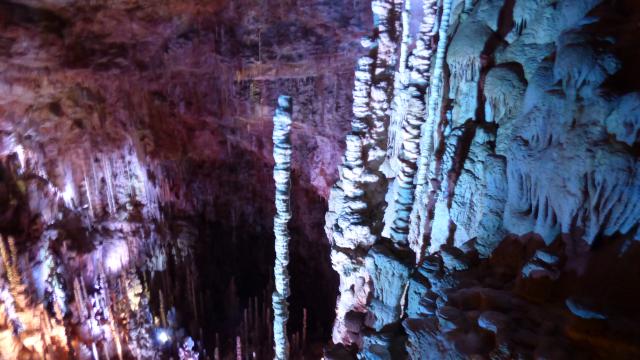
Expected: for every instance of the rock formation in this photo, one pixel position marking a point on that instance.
(135, 153)
(469, 191)
(282, 177)
(496, 165)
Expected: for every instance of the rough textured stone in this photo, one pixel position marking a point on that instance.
(389, 275)
(529, 176)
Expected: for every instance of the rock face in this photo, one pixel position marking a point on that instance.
(526, 182)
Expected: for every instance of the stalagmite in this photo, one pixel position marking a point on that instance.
(10, 262)
(238, 348)
(304, 326)
(356, 202)
(400, 101)
(418, 84)
(282, 177)
(426, 161)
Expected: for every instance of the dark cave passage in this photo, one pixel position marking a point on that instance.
(234, 255)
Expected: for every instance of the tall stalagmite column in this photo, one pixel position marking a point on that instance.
(419, 81)
(354, 221)
(282, 177)
(401, 82)
(426, 160)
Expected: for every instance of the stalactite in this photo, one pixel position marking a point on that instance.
(94, 351)
(87, 191)
(105, 350)
(282, 177)
(468, 6)
(96, 187)
(83, 288)
(108, 176)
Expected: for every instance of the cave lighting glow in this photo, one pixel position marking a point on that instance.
(68, 195)
(163, 336)
(19, 149)
(116, 256)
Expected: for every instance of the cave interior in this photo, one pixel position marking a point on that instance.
(319, 179)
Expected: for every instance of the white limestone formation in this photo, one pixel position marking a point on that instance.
(419, 81)
(282, 177)
(389, 274)
(624, 121)
(478, 202)
(504, 89)
(464, 60)
(399, 103)
(356, 204)
(519, 134)
(428, 137)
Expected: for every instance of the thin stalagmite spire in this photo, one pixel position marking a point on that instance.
(282, 177)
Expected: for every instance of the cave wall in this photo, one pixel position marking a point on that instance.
(523, 222)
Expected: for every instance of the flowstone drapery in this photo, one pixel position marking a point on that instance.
(282, 177)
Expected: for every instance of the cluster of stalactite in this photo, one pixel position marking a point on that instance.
(85, 265)
(426, 166)
(419, 79)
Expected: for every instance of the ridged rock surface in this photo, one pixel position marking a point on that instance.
(527, 185)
